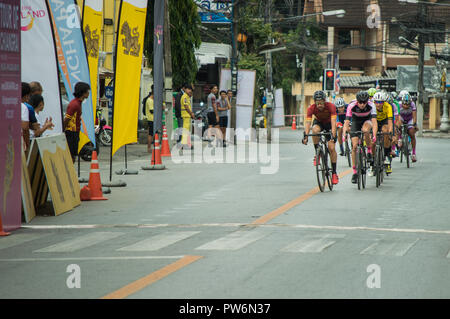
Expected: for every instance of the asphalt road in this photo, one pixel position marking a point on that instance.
(224, 230)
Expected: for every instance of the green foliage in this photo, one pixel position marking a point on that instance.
(184, 37)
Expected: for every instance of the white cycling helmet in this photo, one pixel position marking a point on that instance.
(402, 93)
(379, 97)
(339, 102)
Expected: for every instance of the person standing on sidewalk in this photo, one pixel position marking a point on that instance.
(213, 115)
(223, 105)
(149, 109)
(187, 115)
(178, 113)
(72, 119)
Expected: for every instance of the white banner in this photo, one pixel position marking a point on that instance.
(39, 58)
(278, 111)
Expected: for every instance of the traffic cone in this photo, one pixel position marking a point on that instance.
(165, 148)
(156, 152)
(95, 184)
(2, 233)
(294, 127)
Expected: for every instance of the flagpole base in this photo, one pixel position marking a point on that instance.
(127, 172)
(153, 167)
(114, 184)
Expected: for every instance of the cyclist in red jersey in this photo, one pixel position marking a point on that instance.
(325, 120)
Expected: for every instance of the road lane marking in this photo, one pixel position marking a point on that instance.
(389, 248)
(18, 239)
(234, 241)
(90, 258)
(295, 202)
(159, 241)
(313, 243)
(151, 278)
(78, 243)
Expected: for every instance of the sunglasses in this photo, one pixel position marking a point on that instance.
(361, 103)
(379, 102)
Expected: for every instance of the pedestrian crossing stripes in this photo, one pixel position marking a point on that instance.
(313, 243)
(159, 241)
(79, 242)
(389, 248)
(234, 241)
(18, 239)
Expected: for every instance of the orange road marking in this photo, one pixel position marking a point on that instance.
(297, 201)
(151, 278)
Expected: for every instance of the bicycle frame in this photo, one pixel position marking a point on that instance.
(323, 169)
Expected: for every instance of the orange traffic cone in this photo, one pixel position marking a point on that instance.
(156, 152)
(95, 184)
(2, 233)
(165, 148)
(294, 127)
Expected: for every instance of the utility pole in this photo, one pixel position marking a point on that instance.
(302, 102)
(269, 97)
(234, 68)
(422, 19)
(168, 97)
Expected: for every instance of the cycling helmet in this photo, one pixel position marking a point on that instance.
(379, 97)
(371, 91)
(402, 93)
(394, 94)
(264, 100)
(362, 96)
(390, 98)
(406, 99)
(320, 95)
(339, 102)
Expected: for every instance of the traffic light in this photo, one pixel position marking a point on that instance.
(329, 78)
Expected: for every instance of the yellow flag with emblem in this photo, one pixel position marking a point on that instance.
(130, 45)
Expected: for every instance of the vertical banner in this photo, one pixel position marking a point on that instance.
(39, 57)
(10, 115)
(158, 64)
(92, 27)
(72, 58)
(130, 45)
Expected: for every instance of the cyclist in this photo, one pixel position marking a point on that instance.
(408, 115)
(341, 108)
(371, 93)
(384, 122)
(325, 120)
(363, 115)
(396, 112)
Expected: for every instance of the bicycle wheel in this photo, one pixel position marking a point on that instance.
(320, 169)
(348, 154)
(363, 167)
(382, 170)
(377, 166)
(358, 165)
(329, 171)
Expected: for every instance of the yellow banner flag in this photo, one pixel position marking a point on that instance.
(130, 45)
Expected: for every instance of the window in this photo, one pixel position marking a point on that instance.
(344, 37)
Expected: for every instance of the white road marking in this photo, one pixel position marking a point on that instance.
(234, 241)
(78, 243)
(321, 227)
(386, 247)
(17, 239)
(91, 258)
(159, 241)
(313, 243)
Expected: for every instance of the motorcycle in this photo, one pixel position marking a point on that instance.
(103, 136)
(201, 120)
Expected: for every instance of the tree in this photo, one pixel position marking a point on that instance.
(184, 36)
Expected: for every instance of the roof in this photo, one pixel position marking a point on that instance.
(356, 81)
(208, 52)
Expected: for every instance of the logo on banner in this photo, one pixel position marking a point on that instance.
(159, 33)
(131, 40)
(92, 40)
(28, 16)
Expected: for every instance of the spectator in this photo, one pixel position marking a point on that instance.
(149, 109)
(213, 115)
(223, 105)
(72, 119)
(230, 95)
(36, 88)
(178, 111)
(25, 117)
(33, 123)
(37, 102)
(187, 115)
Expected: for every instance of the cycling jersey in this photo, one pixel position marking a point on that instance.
(341, 116)
(325, 116)
(354, 111)
(406, 114)
(385, 112)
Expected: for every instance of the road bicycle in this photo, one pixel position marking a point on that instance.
(379, 165)
(405, 150)
(361, 160)
(323, 159)
(348, 152)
